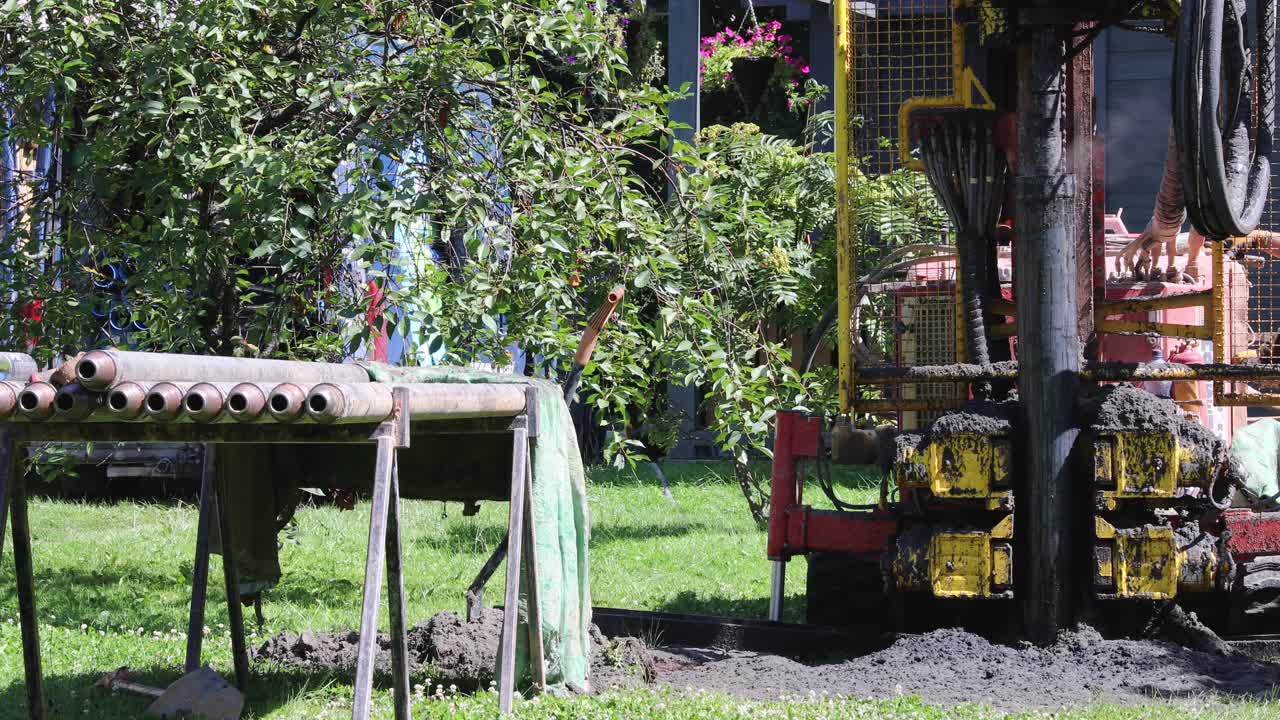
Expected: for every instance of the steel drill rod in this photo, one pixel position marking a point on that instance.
(100, 369)
(18, 367)
(76, 403)
(247, 401)
(127, 400)
(164, 401)
(372, 402)
(204, 402)
(288, 402)
(9, 391)
(35, 402)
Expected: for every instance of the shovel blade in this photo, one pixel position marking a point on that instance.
(202, 694)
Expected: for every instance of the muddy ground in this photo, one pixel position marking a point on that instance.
(943, 666)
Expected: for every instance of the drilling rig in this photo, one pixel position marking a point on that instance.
(1038, 468)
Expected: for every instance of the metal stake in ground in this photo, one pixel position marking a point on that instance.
(1049, 350)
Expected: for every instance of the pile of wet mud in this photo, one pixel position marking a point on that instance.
(953, 666)
(975, 418)
(1127, 408)
(449, 651)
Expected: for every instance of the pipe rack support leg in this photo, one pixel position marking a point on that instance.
(515, 538)
(475, 593)
(375, 562)
(10, 466)
(22, 565)
(395, 599)
(200, 574)
(235, 611)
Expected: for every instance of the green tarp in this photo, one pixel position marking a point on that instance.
(1257, 448)
(261, 484)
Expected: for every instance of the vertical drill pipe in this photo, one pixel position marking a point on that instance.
(1049, 351)
(100, 369)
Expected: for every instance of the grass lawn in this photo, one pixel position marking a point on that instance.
(113, 583)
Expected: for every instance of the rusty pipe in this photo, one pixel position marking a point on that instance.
(74, 402)
(287, 401)
(371, 402)
(100, 369)
(247, 401)
(35, 402)
(9, 390)
(164, 401)
(17, 366)
(204, 402)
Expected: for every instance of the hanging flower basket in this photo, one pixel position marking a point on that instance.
(751, 77)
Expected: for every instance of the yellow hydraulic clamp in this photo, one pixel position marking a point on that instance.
(953, 563)
(1137, 465)
(1153, 562)
(959, 466)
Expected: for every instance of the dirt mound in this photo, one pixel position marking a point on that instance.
(451, 651)
(954, 666)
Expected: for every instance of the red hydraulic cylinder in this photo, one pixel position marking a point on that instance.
(798, 436)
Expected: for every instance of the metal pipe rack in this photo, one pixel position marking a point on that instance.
(384, 546)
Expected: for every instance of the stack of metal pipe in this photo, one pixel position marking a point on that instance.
(125, 386)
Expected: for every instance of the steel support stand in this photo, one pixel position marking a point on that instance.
(390, 435)
(395, 600)
(475, 592)
(536, 659)
(1049, 348)
(231, 578)
(10, 466)
(200, 573)
(515, 537)
(22, 565)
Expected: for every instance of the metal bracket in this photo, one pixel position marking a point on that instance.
(397, 426)
(531, 410)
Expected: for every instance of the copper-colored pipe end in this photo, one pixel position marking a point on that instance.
(96, 370)
(8, 398)
(325, 403)
(203, 402)
(246, 402)
(286, 402)
(35, 402)
(125, 400)
(164, 401)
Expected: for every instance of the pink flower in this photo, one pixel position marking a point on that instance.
(805, 69)
(784, 38)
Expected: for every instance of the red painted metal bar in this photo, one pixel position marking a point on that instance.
(798, 436)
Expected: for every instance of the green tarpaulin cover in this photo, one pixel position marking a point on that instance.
(261, 482)
(1257, 447)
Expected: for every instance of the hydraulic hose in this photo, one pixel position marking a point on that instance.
(1225, 182)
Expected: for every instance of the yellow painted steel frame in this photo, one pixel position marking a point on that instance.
(972, 564)
(1221, 396)
(964, 84)
(844, 247)
(1144, 562)
(962, 466)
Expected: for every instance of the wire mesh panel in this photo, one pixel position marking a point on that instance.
(901, 50)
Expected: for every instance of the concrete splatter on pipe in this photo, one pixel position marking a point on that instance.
(204, 402)
(100, 369)
(9, 390)
(35, 402)
(287, 401)
(164, 401)
(74, 402)
(247, 401)
(371, 402)
(17, 367)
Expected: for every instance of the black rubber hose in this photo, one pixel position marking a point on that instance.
(1225, 181)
